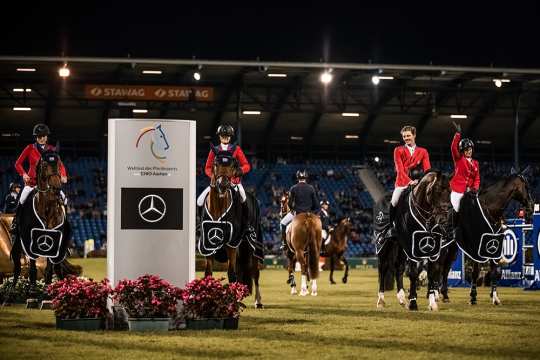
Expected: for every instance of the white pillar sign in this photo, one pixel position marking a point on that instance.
(151, 199)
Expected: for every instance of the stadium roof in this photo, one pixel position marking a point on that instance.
(295, 107)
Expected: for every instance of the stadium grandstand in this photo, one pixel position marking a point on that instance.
(338, 121)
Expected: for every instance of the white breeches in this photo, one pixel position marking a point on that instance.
(455, 199)
(28, 189)
(287, 219)
(237, 187)
(396, 194)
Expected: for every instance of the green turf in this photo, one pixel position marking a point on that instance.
(341, 322)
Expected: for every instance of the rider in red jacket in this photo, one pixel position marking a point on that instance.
(225, 133)
(466, 169)
(410, 162)
(32, 153)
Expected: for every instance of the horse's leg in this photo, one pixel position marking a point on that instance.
(399, 265)
(382, 267)
(433, 284)
(346, 274)
(332, 264)
(48, 273)
(32, 277)
(303, 266)
(209, 266)
(474, 279)
(451, 256)
(256, 273)
(16, 258)
(413, 278)
(231, 268)
(291, 280)
(493, 277)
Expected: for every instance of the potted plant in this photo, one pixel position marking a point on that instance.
(20, 293)
(149, 301)
(208, 304)
(80, 303)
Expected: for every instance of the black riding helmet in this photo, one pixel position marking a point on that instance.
(325, 202)
(41, 130)
(14, 185)
(301, 174)
(464, 144)
(225, 130)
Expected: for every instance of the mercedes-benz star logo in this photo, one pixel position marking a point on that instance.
(427, 244)
(215, 236)
(45, 243)
(492, 246)
(152, 208)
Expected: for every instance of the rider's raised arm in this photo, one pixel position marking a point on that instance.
(456, 155)
(242, 161)
(209, 163)
(21, 159)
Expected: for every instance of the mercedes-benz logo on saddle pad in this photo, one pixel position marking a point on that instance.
(152, 208)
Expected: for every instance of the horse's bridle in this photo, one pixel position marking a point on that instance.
(220, 178)
(40, 168)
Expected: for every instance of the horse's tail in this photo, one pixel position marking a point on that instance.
(70, 269)
(313, 241)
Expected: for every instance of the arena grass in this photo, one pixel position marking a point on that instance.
(342, 322)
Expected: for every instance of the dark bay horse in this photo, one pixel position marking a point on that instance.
(223, 223)
(43, 227)
(304, 241)
(335, 249)
(421, 216)
(492, 200)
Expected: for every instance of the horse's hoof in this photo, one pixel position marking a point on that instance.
(313, 293)
(380, 304)
(445, 299)
(413, 306)
(303, 292)
(401, 298)
(293, 291)
(332, 282)
(472, 302)
(259, 306)
(344, 280)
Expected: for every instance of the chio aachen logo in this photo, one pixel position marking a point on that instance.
(152, 208)
(159, 145)
(510, 246)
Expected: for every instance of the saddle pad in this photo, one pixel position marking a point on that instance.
(215, 234)
(491, 246)
(44, 243)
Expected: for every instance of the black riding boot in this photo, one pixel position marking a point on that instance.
(283, 237)
(455, 224)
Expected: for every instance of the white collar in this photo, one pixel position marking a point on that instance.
(224, 146)
(410, 148)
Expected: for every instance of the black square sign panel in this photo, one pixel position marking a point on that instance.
(152, 208)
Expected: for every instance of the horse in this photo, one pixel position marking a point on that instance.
(391, 258)
(335, 249)
(303, 239)
(421, 215)
(43, 227)
(222, 224)
(490, 203)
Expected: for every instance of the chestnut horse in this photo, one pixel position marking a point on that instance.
(223, 204)
(335, 249)
(303, 240)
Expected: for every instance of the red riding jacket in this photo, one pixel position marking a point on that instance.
(466, 173)
(404, 162)
(33, 155)
(238, 154)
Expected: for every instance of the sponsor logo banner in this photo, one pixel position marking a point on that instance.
(148, 92)
(151, 208)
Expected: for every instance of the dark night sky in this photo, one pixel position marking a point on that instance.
(449, 32)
